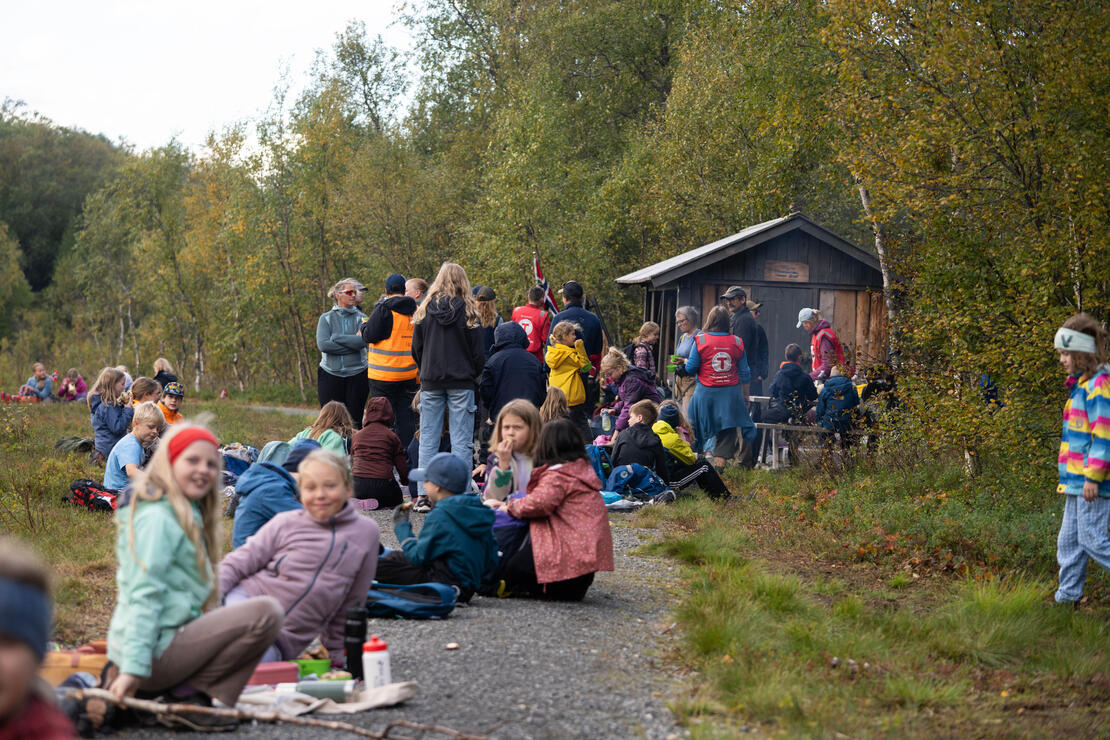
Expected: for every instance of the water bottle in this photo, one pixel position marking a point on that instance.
(354, 634)
(606, 421)
(375, 663)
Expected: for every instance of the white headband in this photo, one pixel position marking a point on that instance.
(1075, 341)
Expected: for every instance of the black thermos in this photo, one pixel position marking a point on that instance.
(354, 635)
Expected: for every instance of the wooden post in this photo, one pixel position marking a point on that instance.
(876, 332)
(863, 343)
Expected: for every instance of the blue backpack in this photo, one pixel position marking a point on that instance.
(634, 481)
(600, 460)
(417, 601)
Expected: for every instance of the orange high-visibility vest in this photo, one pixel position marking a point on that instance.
(391, 358)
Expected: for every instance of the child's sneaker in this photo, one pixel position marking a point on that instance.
(422, 505)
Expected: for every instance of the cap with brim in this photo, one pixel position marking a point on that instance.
(301, 450)
(735, 291)
(395, 283)
(806, 314)
(754, 306)
(484, 293)
(445, 470)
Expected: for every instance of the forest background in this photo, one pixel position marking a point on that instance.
(966, 143)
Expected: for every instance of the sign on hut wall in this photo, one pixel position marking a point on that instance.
(790, 272)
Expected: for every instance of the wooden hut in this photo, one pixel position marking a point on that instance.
(785, 264)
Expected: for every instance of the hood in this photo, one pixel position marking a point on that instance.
(95, 401)
(378, 410)
(643, 374)
(352, 311)
(838, 381)
(822, 324)
(509, 335)
(792, 369)
(447, 311)
(468, 514)
(263, 475)
(402, 304)
(661, 427)
(570, 475)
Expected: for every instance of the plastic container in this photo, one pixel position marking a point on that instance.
(606, 421)
(375, 663)
(283, 671)
(312, 667)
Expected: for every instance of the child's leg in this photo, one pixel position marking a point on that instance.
(433, 405)
(460, 421)
(395, 568)
(356, 391)
(1070, 555)
(702, 473)
(217, 653)
(573, 589)
(1092, 518)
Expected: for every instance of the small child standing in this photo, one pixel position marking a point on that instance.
(456, 545)
(1084, 462)
(129, 454)
(110, 411)
(172, 396)
(375, 453)
(643, 346)
(567, 359)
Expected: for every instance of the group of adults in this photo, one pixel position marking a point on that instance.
(727, 361)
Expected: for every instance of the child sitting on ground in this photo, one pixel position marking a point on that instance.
(26, 709)
(172, 396)
(333, 428)
(1084, 460)
(555, 405)
(638, 444)
(129, 454)
(72, 387)
(268, 488)
(110, 411)
(456, 544)
(567, 521)
(39, 385)
(683, 466)
(318, 561)
(376, 452)
(514, 442)
(145, 389)
(167, 636)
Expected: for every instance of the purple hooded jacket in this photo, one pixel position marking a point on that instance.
(636, 385)
(316, 569)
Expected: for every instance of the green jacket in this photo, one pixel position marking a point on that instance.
(329, 440)
(159, 586)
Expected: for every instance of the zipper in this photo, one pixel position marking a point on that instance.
(315, 575)
(277, 565)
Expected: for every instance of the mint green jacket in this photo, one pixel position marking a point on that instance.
(329, 440)
(159, 587)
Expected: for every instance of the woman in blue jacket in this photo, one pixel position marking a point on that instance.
(342, 372)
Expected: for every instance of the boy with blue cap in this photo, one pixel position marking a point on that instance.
(456, 544)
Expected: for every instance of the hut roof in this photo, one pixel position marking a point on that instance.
(675, 267)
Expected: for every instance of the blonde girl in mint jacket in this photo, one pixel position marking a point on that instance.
(166, 636)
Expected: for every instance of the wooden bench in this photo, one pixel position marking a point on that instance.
(777, 429)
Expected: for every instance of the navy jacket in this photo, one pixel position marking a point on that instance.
(460, 529)
(591, 326)
(836, 403)
(794, 389)
(265, 490)
(512, 371)
(109, 423)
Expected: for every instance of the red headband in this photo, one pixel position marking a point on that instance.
(186, 437)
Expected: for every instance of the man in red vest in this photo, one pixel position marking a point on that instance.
(390, 367)
(535, 320)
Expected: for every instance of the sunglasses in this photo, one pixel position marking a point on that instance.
(350, 292)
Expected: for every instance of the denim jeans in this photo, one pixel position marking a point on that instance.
(459, 407)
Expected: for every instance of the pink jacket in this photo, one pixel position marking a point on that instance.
(569, 523)
(316, 569)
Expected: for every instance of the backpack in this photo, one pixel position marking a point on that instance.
(91, 495)
(634, 481)
(416, 601)
(600, 460)
(629, 351)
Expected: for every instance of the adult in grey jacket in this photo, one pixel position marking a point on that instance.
(342, 372)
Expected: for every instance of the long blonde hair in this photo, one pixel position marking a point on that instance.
(555, 405)
(155, 482)
(451, 282)
(105, 386)
(487, 312)
(334, 416)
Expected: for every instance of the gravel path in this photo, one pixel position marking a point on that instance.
(527, 669)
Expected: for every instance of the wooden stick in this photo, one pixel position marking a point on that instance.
(174, 710)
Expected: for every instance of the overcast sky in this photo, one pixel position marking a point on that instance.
(147, 71)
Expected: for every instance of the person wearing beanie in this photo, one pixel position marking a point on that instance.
(268, 488)
(684, 467)
(391, 369)
(26, 710)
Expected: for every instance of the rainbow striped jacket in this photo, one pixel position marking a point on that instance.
(1085, 444)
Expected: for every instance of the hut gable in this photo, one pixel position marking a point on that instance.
(785, 264)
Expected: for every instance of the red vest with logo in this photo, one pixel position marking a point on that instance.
(815, 346)
(536, 323)
(719, 357)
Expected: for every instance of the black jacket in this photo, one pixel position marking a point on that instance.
(639, 445)
(794, 389)
(379, 325)
(759, 355)
(448, 353)
(591, 326)
(743, 325)
(512, 371)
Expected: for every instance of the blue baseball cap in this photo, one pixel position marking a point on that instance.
(395, 283)
(445, 470)
(298, 452)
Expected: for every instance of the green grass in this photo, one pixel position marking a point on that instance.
(78, 545)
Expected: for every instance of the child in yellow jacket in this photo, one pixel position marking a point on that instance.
(685, 466)
(567, 358)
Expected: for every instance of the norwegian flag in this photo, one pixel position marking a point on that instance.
(548, 295)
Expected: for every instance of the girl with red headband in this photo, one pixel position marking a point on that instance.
(167, 636)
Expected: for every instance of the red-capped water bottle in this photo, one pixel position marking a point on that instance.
(375, 662)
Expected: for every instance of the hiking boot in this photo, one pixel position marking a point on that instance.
(667, 497)
(422, 505)
(503, 591)
(196, 721)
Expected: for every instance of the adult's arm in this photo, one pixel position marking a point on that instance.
(379, 326)
(336, 344)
